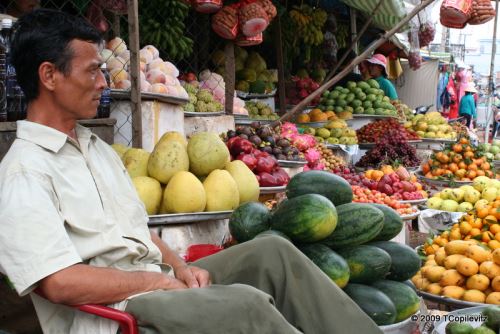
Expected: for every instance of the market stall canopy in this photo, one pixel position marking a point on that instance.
(389, 14)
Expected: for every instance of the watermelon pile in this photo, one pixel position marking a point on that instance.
(348, 241)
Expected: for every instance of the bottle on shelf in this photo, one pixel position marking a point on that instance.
(16, 102)
(104, 109)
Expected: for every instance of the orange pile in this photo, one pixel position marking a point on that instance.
(481, 225)
(459, 161)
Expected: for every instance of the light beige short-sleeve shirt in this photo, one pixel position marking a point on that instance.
(64, 202)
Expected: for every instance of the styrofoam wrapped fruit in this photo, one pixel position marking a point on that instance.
(116, 63)
(153, 50)
(171, 69)
(145, 86)
(125, 55)
(159, 88)
(145, 56)
(106, 54)
(117, 45)
(156, 76)
(118, 74)
(124, 84)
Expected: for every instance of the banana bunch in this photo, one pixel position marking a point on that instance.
(162, 24)
(342, 35)
(309, 23)
(319, 17)
(300, 18)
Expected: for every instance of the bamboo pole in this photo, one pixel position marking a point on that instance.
(135, 79)
(299, 107)
(354, 42)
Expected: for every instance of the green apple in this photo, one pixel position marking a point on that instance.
(449, 205)
(434, 203)
(489, 194)
(481, 182)
(472, 196)
(464, 207)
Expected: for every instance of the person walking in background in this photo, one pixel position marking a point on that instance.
(467, 107)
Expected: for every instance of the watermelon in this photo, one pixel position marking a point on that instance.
(332, 264)
(306, 218)
(373, 302)
(333, 187)
(248, 220)
(393, 224)
(358, 224)
(366, 263)
(273, 232)
(404, 298)
(405, 262)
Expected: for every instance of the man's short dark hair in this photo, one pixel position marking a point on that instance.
(43, 35)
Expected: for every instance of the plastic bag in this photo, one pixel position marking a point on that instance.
(455, 13)
(414, 58)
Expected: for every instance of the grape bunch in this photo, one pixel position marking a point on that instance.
(371, 132)
(390, 149)
(426, 34)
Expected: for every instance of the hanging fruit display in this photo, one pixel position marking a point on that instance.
(482, 12)
(244, 21)
(310, 22)
(225, 22)
(426, 34)
(207, 6)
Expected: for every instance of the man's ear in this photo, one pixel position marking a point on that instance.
(47, 74)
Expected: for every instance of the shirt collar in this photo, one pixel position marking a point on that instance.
(47, 137)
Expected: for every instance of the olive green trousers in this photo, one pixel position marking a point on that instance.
(264, 286)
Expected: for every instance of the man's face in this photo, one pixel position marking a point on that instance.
(78, 92)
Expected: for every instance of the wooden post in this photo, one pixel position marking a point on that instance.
(229, 77)
(353, 44)
(299, 107)
(134, 71)
(281, 66)
(115, 25)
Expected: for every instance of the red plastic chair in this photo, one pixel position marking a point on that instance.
(126, 321)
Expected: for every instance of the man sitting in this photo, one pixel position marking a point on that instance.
(73, 226)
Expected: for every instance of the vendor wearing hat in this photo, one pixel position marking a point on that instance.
(467, 107)
(377, 67)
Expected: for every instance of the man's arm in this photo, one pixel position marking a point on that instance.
(194, 277)
(84, 284)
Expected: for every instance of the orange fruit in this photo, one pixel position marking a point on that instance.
(315, 111)
(319, 117)
(303, 118)
(494, 228)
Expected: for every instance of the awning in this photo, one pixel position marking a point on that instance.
(390, 13)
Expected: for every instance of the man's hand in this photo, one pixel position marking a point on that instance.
(194, 277)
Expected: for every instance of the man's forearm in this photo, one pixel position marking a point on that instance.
(84, 284)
